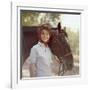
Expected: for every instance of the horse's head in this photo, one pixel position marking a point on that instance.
(60, 47)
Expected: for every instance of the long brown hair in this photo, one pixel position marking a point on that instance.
(42, 27)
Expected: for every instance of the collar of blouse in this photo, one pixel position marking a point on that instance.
(42, 44)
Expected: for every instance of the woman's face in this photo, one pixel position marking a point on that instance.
(45, 36)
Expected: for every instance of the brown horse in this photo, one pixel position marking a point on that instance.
(58, 45)
(61, 48)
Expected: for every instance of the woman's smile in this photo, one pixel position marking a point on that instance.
(45, 36)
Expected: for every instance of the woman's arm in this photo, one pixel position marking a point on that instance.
(32, 69)
(55, 65)
(32, 62)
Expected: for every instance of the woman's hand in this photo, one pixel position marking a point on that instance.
(55, 65)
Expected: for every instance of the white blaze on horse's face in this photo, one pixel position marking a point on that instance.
(45, 36)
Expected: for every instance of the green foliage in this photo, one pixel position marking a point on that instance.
(31, 18)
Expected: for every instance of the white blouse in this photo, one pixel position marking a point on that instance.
(42, 57)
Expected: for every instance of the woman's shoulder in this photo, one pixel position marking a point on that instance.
(35, 47)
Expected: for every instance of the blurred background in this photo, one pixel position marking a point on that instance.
(70, 21)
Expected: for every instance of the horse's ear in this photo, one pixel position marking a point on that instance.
(59, 27)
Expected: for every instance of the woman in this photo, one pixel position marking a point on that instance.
(41, 55)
